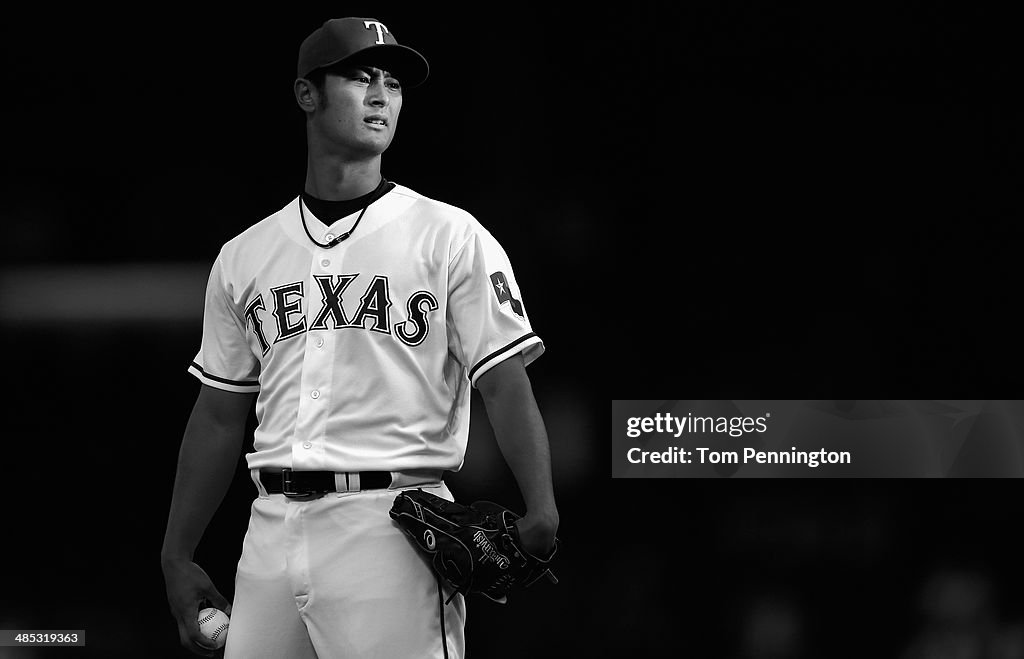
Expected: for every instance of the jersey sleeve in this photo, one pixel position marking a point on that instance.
(225, 360)
(486, 316)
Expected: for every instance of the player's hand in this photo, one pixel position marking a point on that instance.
(537, 532)
(187, 587)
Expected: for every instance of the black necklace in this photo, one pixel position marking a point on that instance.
(348, 233)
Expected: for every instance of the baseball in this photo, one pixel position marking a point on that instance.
(213, 624)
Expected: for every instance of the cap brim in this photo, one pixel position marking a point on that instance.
(407, 65)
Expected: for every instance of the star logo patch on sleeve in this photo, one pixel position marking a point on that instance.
(504, 292)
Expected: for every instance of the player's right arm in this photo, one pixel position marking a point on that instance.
(206, 464)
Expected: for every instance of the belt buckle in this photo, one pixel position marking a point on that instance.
(286, 486)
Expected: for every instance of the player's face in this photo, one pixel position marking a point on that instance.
(358, 113)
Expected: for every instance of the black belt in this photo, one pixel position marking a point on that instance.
(307, 483)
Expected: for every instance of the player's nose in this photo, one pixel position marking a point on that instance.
(376, 95)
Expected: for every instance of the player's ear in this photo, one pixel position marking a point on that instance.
(306, 95)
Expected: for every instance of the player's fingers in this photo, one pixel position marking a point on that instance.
(183, 635)
(202, 646)
(217, 600)
(191, 638)
(203, 650)
(190, 642)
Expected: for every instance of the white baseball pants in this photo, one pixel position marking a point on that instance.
(335, 577)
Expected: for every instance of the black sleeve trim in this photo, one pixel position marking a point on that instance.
(499, 352)
(238, 383)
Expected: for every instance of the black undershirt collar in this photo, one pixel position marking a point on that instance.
(329, 212)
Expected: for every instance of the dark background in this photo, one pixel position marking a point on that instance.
(713, 201)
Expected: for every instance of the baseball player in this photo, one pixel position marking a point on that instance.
(358, 317)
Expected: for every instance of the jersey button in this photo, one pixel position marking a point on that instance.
(329, 237)
(319, 342)
(315, 393)
(307, 445)
(325, 262)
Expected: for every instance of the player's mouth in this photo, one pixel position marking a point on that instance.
(377, 120)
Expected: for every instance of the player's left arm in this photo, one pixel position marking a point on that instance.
(523, 440)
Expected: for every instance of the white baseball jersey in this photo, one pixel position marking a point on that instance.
(362, 354)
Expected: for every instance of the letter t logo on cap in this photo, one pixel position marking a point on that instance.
(381, 29)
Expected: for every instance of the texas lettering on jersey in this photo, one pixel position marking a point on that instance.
(285, 319)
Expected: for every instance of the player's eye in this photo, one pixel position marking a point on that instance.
(393, 85)
(355, 75)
